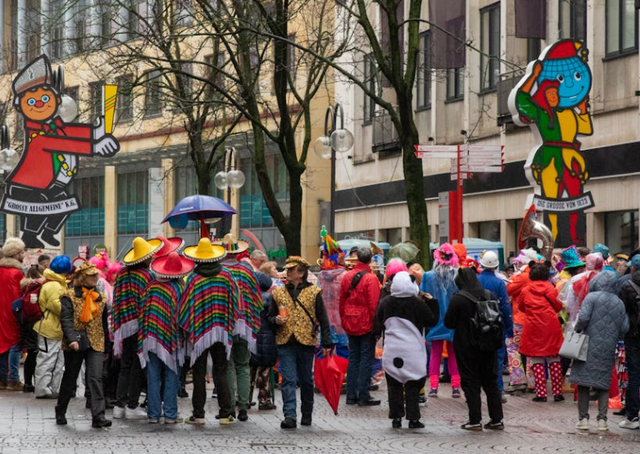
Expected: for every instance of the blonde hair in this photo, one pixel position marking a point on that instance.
(269, 268)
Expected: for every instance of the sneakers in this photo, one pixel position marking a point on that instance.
(603, 426)
(583, 424)
(433, 393)
(242, 415)
(195, 421)
(472, 427)
(629, 424)
(15, 385)
(416, 425)
(422, 398)
(228, 420)
(288, 423)
(455, 393)
(494, 425)
(396, 423)
(178, 420)
(118, 412)
(134, 413)
(154, 420)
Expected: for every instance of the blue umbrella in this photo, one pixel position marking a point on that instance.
(199, 208)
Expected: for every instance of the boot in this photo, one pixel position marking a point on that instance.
(541, 383)
(48, 236)
(31, 240)
(61, 419)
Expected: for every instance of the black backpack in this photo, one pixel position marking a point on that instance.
(486, 324)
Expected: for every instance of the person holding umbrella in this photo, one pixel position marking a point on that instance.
(297, 310)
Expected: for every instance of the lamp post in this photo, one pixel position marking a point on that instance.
(335, 139)
(228, 179)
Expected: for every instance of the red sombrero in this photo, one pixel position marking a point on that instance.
(172, 266)
(169, 245)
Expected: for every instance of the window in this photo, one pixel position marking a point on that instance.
(423, 75)
(622, 23)
(184, 12)
(187, 82)
(57, 32)
(153, 97)
(534, 47)
(90, 220)
(368, 105)
(95, 93)
(572, 20)
(33, 29)
(621, 230)
(124, 105)
(490, 46)
(133, 202)
(105, 25)
(455, 84)
(80, 25)
(489, 230)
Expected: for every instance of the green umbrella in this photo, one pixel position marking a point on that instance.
(405, 251)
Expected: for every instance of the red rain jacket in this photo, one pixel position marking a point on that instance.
(358, 310)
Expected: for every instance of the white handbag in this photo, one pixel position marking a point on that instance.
(575, 346)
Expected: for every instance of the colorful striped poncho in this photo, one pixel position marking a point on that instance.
(208, 312)
(127, 304)
(251, 304)
(159, 331)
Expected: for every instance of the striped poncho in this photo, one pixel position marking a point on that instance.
(208, 312)
(159, 331)
(251, 304)
(127, 304)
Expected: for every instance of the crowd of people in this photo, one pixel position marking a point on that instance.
(228, 315)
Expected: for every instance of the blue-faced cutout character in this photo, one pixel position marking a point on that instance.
(573, 76)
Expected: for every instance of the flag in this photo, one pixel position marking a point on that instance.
(531, 18)
(448, 30)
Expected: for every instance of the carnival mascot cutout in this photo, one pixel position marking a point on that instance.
(553, 99)
(37, 189)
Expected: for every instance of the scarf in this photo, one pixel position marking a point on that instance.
(89, 308)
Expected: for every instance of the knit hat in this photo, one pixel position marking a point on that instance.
(12, 247)
(61, 264)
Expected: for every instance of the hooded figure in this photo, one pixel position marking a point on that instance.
(478, 369)
(403, 317)
(603, 318)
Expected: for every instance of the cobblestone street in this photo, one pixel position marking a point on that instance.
(27, 426)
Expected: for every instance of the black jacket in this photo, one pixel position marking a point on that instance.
(266, 354)
(69, 329)
(629, 297)
(420, 311)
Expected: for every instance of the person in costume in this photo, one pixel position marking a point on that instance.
(161, 348)
(246, 330)
(403, 318)
(555, 97)
(128, 302)
(208, 315)
(440, 283)
(49, 160)
(296, 337)
(84, 324)
(478, 369)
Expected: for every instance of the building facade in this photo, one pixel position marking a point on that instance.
(470, 104)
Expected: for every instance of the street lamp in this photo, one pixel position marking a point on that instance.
(229, 178)
(335, 139)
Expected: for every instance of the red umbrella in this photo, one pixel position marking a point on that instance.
(329, 373)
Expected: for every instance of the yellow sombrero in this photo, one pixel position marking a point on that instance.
(205, 252)
(231, 244)
(142, 250)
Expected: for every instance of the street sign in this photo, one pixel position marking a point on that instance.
(436, 155)
(492, 161)
(481, 148)
(480, 169)
(437, 148)
(463, 176)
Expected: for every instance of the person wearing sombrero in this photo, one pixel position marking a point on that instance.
(128, 293)
(161, 348)
(248, 325)
(169, 245)
(296, 337)
(84, 325)
(208, 315)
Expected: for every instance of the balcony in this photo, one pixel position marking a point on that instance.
(505, 84)
(385, 136)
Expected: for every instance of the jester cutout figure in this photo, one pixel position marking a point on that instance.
(552, 98)
(37, 189)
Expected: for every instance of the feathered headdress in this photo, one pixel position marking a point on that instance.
(331, 252)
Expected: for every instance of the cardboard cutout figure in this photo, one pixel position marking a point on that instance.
(552, 98)
(37, 189)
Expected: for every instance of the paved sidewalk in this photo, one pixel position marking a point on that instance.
(27, 426)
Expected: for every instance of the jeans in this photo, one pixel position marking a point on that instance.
(361, 355)
(10, 364)
(238, 372)
(404, 395)
(632, 353)
(72, 365)
(156, 371)
(218, 354)
(583, 402)
(296, 363)
(131, 375)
